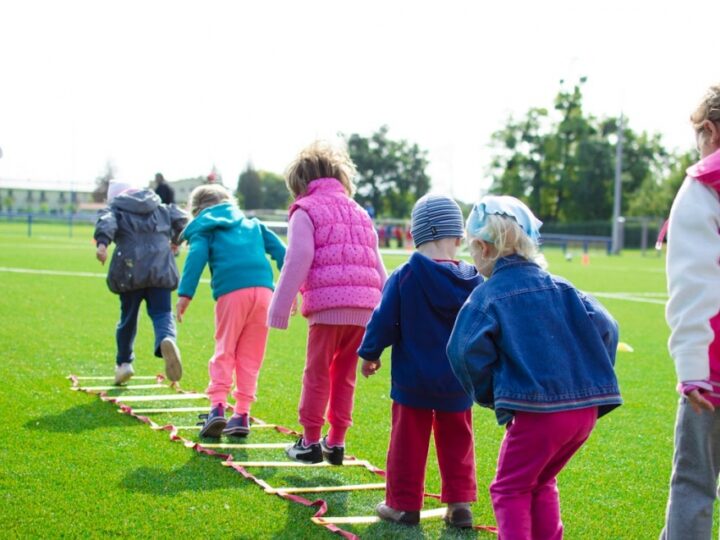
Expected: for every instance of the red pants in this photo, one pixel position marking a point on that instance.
(329, 380)
(407, 456)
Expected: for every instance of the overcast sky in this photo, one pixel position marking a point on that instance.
(178, 86)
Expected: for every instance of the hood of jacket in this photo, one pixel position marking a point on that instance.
(707, 170)
(220, 216)
(446, 285)
(144, 201)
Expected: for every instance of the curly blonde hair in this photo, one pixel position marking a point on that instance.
(508, 237)
(320, 160)
(707, 109)
(207, 195)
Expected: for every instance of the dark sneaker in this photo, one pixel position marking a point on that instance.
(304, 454)
(214, 423)
(459, 515)
(397, 516)
(334, 455)
(171, 355)
(238, 426)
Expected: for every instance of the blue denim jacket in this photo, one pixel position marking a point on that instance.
(529, 341)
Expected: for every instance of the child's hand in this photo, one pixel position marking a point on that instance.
(294, 307)
(698, 402)
(182, 304)
(175, 249)
(370, 367)
(101, 253)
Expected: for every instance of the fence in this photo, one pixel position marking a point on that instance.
(26, 224)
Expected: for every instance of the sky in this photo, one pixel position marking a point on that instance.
(178, 87)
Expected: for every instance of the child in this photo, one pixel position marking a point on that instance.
(242, 282)
(539, 352)
(142, 268)
(333, 259)
(693, 314)
(416, 315)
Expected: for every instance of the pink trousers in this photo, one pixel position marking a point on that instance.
(407, 456)
(524, 492)
(240, 337)
(329, 381)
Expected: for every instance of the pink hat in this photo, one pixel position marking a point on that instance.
(116, 187)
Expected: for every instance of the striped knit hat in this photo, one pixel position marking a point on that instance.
(435, 217)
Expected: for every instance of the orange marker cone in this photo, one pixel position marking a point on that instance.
(585, 259)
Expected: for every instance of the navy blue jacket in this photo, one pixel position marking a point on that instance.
(529, 341)
(420, 302)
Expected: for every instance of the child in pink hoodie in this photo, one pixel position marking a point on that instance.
(333, 260)
(693, 313)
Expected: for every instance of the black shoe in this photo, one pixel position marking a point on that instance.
(397, 516)
(334, 455)
(238, 426)
(214, 423)
(305, 454)
(459, 516)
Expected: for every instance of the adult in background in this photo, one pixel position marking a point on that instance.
(163, 190)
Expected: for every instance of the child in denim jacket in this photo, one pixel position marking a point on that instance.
(541, 354)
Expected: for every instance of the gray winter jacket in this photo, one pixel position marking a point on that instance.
(142, 228)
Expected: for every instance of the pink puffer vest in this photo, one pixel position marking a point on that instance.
(344, 270)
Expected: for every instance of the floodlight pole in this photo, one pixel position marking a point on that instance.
(618, 188)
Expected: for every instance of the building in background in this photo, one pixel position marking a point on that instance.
(56, 198)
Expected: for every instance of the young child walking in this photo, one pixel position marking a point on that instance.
(333, 260)
(539, 352)
(142, 268)
(234, 248)
(419, 305)
(693, 314)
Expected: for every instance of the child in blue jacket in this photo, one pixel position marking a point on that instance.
(539, 352)
(419, 304)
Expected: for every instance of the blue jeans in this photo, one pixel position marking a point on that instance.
(158, 303)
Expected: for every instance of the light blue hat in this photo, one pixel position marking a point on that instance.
(435, 217)
(502, 205)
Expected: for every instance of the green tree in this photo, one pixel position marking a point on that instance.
(391, 173)
(249, 190)
(275, 194)
(102, 182)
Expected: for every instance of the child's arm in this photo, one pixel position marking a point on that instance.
(105, 229)
(383, 330)
(298, 259)
(273, 246)
(472, 353)
(380, 266)
(606, 326)
(195, 263)
(178, 221)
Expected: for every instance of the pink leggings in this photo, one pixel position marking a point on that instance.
(240, 338)
(536, 447)
(329, 381)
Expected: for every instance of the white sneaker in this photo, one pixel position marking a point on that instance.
(171, 355)
(123, 372)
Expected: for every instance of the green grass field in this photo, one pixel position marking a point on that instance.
(73, 467)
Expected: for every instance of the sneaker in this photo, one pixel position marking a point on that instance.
(123, 372)
(397, 516)
(171, 355)
(238, 426)
(334, 455)
(305, 454)
(214, 423)
(459, 515)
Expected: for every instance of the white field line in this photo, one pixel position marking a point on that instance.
(645, 298)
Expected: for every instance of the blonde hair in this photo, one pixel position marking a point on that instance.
(320, 160)
(707, 109)
(508, 238)
(207, 195)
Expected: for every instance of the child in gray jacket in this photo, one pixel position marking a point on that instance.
(142, 268)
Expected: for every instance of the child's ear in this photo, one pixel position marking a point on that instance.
(458, 242)
(713, 131)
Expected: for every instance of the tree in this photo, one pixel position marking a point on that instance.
(102, 182)
(249, 190)
(391, 173)
(275, 194)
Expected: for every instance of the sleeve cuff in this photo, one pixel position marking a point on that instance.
(278, 321)
(686, 387)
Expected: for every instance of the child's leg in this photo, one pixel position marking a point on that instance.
(230, 314)
(127, 327)
(456, 455)
(343, 374)
(159, 308)
(321, 345)
(407, 457)
(531, 442)
(694, 476)
(250, 349)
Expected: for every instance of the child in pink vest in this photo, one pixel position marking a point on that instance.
(333, 260)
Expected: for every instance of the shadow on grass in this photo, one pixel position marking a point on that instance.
(79, 418)
(192, 476)
(298, 513)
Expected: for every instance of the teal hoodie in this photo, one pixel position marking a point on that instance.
(234, 247)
